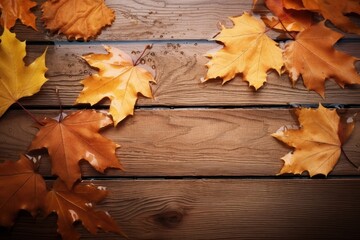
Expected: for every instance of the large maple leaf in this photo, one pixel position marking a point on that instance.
(17, 9)
(333, 10)
(317, 143)
(76, 138)
(118, 79)
(79, 19)
(247, 50)
(21, 188)
(292, 20)
(77, 205)
(16, 79)
(313, 56)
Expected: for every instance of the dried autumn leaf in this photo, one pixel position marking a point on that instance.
(118, 79)
(17, 9)
(317, 143)
(77, 205)
(292, 20)
(334, 10)
(79, 19)
(247, 50)
(21, 188)
(16, 79)
(313, 56)
(76, 138)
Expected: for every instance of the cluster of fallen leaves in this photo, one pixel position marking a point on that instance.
(68, 139)
(75, 19)
(310, 54)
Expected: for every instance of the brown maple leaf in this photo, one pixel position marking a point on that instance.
(119, 79)
(17, 9)
(292, 20)
(317, 143)
(77, 205)
(313, 56)
(76, 138)
(79, 19)
(21, 188)
(333, 10)
(247, 50)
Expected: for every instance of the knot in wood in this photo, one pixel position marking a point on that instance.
(169, 219)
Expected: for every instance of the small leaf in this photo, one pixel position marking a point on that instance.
(247, 50)
(313, 56)
(79, 19)
(317, 143)
(20, 189)
(75, 138)
(17, 9)
(16, 79)
(77, 205)
(118, 79)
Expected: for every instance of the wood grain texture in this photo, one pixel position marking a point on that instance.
(221, 209)
(195, 142)
(155, 20)
(179, 68)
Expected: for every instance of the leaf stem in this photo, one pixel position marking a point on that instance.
(142, 54)
(289, 33)
(60, 104)
(30, 114)
(348, 159)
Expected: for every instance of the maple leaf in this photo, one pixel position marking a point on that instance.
(292, 20)
(334, 10)
(21, 188)
(17, 9)
(317, 143)
(76, 138)
(313, 56)
(119, 79)
(77, 205)
(247, 50)
(16, 79)
(79, 19)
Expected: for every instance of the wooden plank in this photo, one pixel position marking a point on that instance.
(221, 209)
(156, 20)
(197, 142)
(179, 67)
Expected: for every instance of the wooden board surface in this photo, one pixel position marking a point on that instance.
(221, 209)
(183, 142)
(179, 68)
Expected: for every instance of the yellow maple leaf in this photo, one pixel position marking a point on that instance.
(16, 79)
(79, 19)
(317, 143)
(313, 56)
(17, 9)
(118, 79)
(247, 50)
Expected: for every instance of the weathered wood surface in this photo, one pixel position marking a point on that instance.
(186, 142)
(222, 209)
(179, 68)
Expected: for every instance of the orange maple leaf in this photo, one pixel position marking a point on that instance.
(334, 10)
(17, 9)
(119, 79)
(247, 50)
(77, 205)
(313, 56)
(75, 138)
(292, 20)
(21, 188)
(317, 143)
(79, 19)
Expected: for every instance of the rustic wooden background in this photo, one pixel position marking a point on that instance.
(200, 161)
